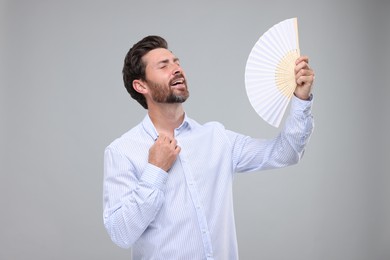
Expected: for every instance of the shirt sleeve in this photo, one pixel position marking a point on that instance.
(250, 154)
(130, 204)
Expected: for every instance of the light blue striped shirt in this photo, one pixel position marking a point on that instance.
(187, 213)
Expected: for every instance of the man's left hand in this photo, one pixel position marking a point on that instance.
(304, 77)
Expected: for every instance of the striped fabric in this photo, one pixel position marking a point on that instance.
(187, 213)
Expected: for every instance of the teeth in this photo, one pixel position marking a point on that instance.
(178, 81)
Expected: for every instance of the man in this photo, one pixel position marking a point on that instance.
(168, 181)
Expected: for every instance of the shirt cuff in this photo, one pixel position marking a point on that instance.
(301, 106)
(154, 176)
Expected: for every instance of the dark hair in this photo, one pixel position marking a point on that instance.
(134, 67)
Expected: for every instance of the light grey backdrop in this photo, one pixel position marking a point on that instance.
(63, 100)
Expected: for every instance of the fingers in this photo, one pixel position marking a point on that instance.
(302, 80)
(163, 152)
(304, 77)
(302, 58)
(302, 63)
(303, 72)
(168, 141)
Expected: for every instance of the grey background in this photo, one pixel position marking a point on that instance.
(62, 101)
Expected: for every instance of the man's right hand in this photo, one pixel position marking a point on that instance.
(163, 152)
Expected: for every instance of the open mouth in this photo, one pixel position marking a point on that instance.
(177, 82)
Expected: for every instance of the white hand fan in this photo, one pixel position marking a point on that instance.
(269, 72)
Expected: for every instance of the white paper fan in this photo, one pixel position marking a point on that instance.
(269, 72)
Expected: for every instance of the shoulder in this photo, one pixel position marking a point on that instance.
(211, 129)
(215, 125)
(212, 125)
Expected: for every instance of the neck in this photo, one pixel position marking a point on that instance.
(166, 117)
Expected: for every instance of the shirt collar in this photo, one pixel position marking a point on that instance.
(151, 130)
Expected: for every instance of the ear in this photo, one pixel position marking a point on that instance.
(139, 86)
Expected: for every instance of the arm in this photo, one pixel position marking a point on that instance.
(132, 199)
(130, 204)
(288, 147)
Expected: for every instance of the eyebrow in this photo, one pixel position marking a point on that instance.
(167, 61)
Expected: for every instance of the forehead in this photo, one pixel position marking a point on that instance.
(157, 55)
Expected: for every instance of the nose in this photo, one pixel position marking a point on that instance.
(176, 69)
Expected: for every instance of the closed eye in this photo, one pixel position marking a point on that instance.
(164, 63)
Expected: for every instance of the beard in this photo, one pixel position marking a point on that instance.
(164, 93)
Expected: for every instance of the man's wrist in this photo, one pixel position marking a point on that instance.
(305, 97)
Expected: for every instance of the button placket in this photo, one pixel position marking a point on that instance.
(201, 217)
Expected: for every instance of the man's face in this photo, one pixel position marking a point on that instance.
(164, 77)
